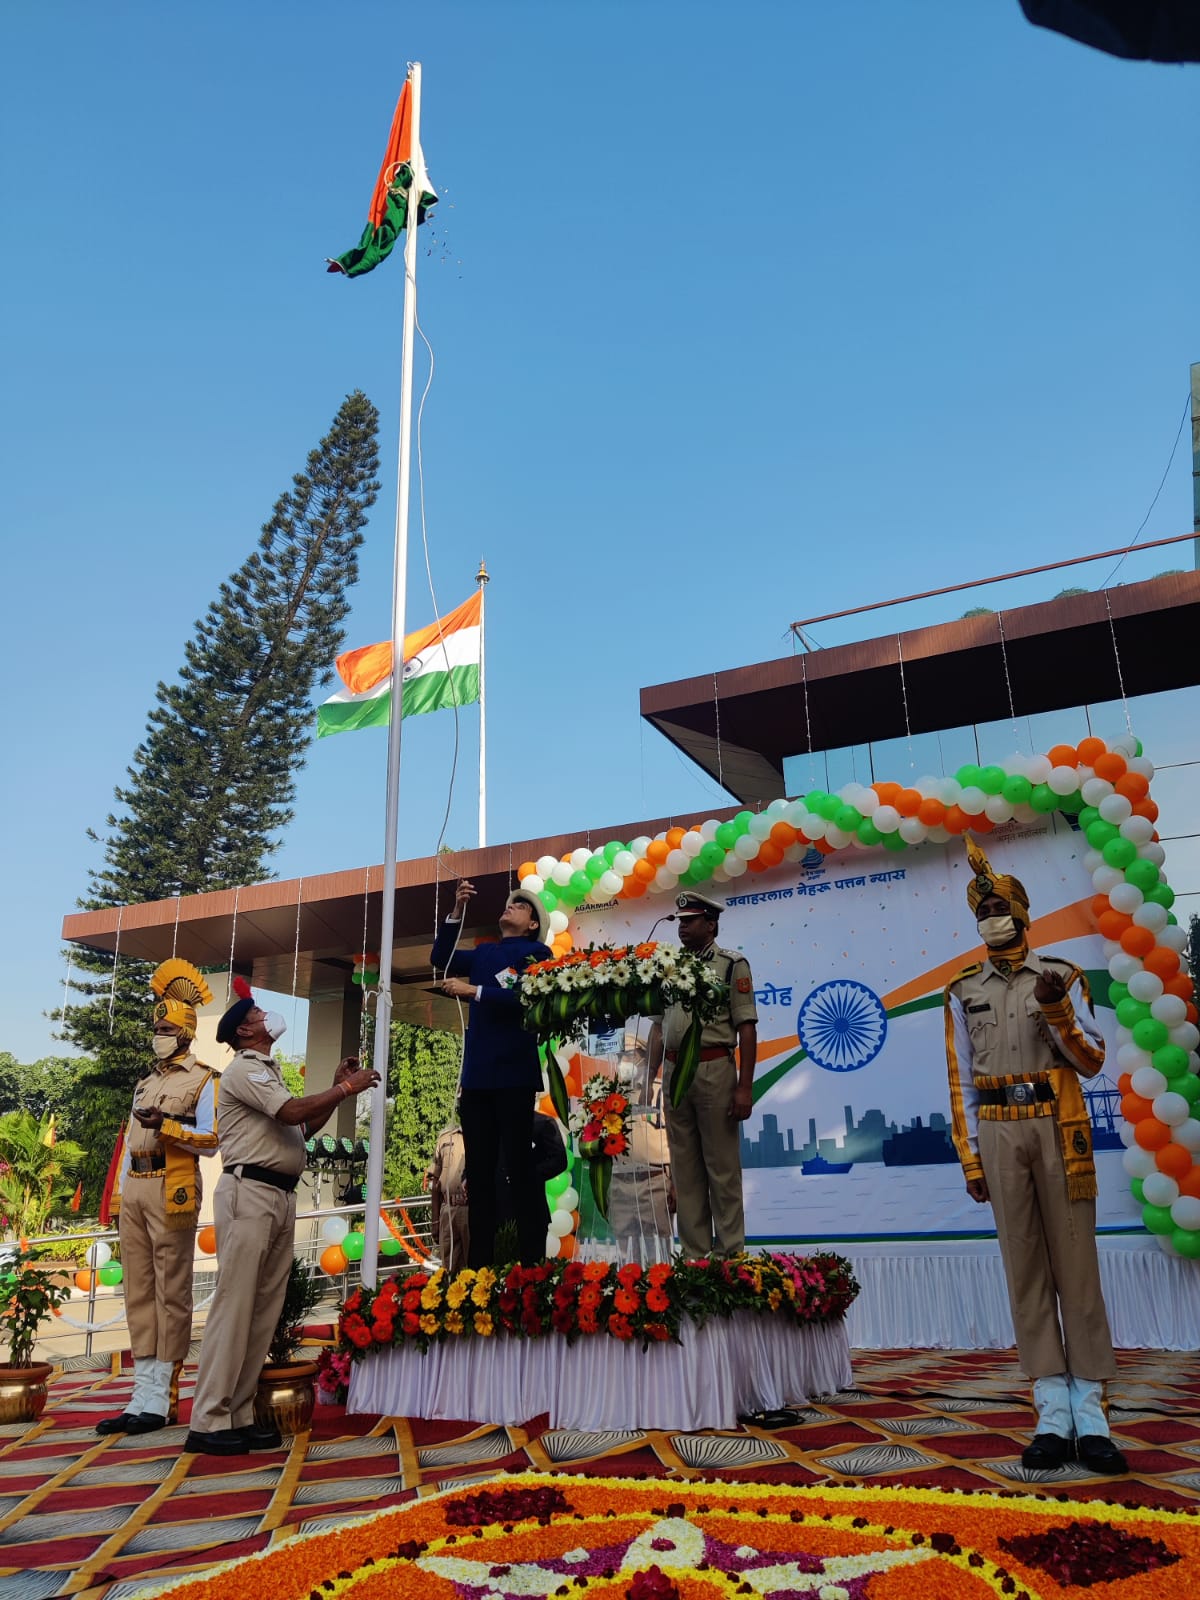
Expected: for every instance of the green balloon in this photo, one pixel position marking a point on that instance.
(743, 820)
(580, 884)
(1188, 1085)
(389, 1246)
(111, 1273)
(1135, 1189)
(1088, 815)
(352, 1245)
(557, 1185)
(813, 799)
(1138, 743)
(1161, 895)
(1187, 1242)
(1100, 832)
(1117, 992)
(1150, 1034)
(1131, 1012)
(712, 855)
(1171, 1060)
(1071, 804)
(549, 899)
(1016, 789)
(968, 776)
(1043, 797)
(726, 836)
(1158, 1219)
(991, 779)
(867, 832)
(830, 807)
(595, 868)
(1119, 852)
(848, 818)
(893, 841)
(1142, 875)
(612, 850)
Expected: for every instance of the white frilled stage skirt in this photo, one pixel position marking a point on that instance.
(731, 1365)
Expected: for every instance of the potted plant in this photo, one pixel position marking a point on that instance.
(286, 1391)
(27, 1297)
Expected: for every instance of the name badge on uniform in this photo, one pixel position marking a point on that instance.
(507, 978)
(984, 1006)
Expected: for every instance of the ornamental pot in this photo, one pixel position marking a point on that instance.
(23, 1391)
(286, 1396)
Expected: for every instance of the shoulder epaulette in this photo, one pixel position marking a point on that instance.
(965, 972)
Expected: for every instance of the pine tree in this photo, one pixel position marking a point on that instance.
(212, 783)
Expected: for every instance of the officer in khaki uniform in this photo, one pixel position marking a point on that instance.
(1020, 1033)
(157, 1200)
(261, 1133)
(704, 1132)
(446, 1180)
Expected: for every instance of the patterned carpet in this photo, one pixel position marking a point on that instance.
(81, 1515)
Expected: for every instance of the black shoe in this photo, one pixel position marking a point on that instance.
(261, 1438)
(1097, 1451)
(121, 1424)
(1045, 1452)
(148, 1422)
(221, 1442)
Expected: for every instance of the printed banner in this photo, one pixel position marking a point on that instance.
(850, 1135)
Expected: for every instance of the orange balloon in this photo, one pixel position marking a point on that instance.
(1133, 785)
(333, 1260)
(1063, 755)
(758, 864)
(956, 820)
(981, 824)
(783, 834)
(546, 1106)
(657, 851)
(1125, 1082)
(1112, 924)
(567, 1246)
(1100, 905)
(674, 838)
(1163, 963)
(908, 802)
(824, 847)
(1174, 1160)
(1110, 766)
(574, 1221)
(1180, 985)
(85, 1280)
(1137, 941)
(1146, 808)
(207, 1241)
(1190, 1183)
(634, 889)
(527, 869)
(1088, 750)
(1152, 1134)
(1135, 1106)
(644, 870)
(887, 792)
(931, 812)
(770, 853)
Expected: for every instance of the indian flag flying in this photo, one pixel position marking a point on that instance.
(441, 668)
(389, 203)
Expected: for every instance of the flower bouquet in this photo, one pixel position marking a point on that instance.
(602, 1127)
(562, 998)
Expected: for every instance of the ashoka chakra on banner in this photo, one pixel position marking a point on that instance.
(842, 1025)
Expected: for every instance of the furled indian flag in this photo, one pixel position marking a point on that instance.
(441, 668)
(389, 203)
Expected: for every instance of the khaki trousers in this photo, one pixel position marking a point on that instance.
(706, 1163)
(255, 1226)
(1048, 1245)
(157, 1265)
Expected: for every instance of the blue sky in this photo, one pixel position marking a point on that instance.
(740, 316)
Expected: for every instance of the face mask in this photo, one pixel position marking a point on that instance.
(274, 1024)
(165, 1045)
(996, 932)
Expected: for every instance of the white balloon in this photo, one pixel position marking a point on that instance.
(561, 874)
(1115, 808)
(334, 1229)
(1084, 773)
(1188, 1135)
(551, 1246)
(720, 875)
(1152, 852)
(665, 879)
(1174, 937)
(691, 844)
(640, 845)
(1151, 915)
(558, 922)
(1063, 780)
(534, 882)
(1141, 765)
(928, 786)
(1139, 1163)
(745, 846)
(777, 808)
(815, 827)
(760, 826)
(886, 819)
(1172, 1108)
(568, 1199)
(1138, 830)
(1127, 1134)
(1095, 790)
(998, 808)
(949, 791)
(708, 830)
(973, 800)
(1193, 1062)
(1159, 1190)
(611, 882)
(1169, 1008)
(1131, 1056)
(677, 861)
(1185, 1212)
(938, 835)
(624, 862)
(546, 866)
(560, 1224)
(795, 852)
(837, 837)
(98, 1254)
(796, 813)
(1123, 745)
(1105, 879)
(1110, 948)
(868, 802)
(735, 867)
(1026, 814)
(1145, 986)
(1149, 1082)
(1186, 1035)
(1038, 769)
(1093, 859)
(1125, 897)
(580, 859)
(912, 830)
(1123, 966)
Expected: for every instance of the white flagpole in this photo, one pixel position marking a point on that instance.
(481, 578)
(383, 1014)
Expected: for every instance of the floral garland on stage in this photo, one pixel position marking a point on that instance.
(669, 1539)
(574, 1299)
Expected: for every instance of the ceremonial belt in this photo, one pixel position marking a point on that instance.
(147, 1166)
(710, 1052)
(1017, 1094)
(286, 1181)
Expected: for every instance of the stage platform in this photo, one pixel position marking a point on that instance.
(725, 1369)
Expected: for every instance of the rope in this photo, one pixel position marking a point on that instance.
(717, 720)
(1112, 628)
(1012, 710)
(112, 990)
(296, 957)
(812, 778)
(904, 696)
(232, 942)
(175, 930)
